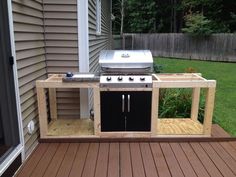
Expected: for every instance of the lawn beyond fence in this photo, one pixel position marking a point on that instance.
(224, 74)
(217, 47)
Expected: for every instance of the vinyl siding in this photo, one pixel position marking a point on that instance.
(46, 41)
(98, 42)
(61, 44)
(31, 64)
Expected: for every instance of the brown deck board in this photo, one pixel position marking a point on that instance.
(182, 159)
(148, 161)
(79, 162)
(90, 164)
(67, 162)
(206, 161)
(194, 161)
(165, 158)
(137, 162)
(125, 160)
(114, 160)
(33, 160)
(102, 161)
(219, 132)
(173, 165)
(162, 167)
(56, 161)
(45, 160)
(220, 164)
(229, 148)
(225, 156)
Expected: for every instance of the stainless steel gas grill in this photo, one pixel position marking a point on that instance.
(126, 68)
(126, 109)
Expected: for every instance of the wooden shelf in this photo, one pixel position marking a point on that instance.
(71, 127)
(178, 126)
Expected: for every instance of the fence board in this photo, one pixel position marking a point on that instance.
(217, 47)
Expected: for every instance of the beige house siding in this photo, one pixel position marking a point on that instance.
(46, 41)
(30, 57)
(98, 42)
(61, 44)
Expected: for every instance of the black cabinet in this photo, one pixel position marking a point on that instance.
(126, 111)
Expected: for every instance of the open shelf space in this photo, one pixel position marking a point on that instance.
(71, 127)
(179, 126)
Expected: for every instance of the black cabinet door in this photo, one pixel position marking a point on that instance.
(139, 111)
(113, 109)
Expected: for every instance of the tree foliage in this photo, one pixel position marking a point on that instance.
(198, 25)
(200, 17)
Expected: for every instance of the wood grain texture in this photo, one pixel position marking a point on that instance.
(179, 45)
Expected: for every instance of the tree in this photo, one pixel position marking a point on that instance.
(198, 25)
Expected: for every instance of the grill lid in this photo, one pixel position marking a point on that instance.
(134, 61)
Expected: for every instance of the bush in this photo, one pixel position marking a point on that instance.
(198, 25)
(157, 68)
(176, 103)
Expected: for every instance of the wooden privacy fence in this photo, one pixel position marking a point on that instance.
(217, 47)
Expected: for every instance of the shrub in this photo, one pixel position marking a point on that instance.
(176, 103)
(157, 68)
(198, 25)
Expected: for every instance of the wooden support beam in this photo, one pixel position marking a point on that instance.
(155, 105)
(210, 98)
(195, 103)
(97, 112)
(53, 103)
(42, 108)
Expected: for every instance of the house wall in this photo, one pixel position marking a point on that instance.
(30, 57)
(46, 40)
(61, 45)
(98, 42)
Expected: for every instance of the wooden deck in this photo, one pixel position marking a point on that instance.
(134, 159)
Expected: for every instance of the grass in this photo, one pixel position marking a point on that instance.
(224, 74)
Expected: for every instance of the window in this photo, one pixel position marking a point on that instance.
(98, 17)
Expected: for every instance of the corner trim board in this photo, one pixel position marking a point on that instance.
(83, 48)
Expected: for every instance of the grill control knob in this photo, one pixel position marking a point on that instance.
(120, 78)
(69, 74)
(131, 78)
(142, 78)
(108, 78)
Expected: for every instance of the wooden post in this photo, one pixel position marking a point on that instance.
(154, 116)
(53, 103)
(97, 112)
(42, 108)
(195, 103)
(210, 98)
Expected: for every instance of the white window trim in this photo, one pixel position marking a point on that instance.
(83, 48)
(98, 17)
(20, 148)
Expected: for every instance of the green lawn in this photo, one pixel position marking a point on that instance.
(224, 74)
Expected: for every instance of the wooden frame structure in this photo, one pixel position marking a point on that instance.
(186, 80)
(194, 81)
(52, 83)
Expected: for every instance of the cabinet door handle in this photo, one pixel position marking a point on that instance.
(123, 103)
(128, 103)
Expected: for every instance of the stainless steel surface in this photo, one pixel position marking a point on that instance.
(126, 81)
(128, 103)
(123, 103)
(129, 61)
(126, 68)
(81, 77)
